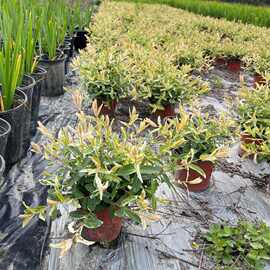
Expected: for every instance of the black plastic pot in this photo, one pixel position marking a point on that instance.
(70, 41)
(2, 167)
(66, 51)
(39, 75)
(27, 87)
(5, 129)
(80, 39)
(54, 81)
(17, 120)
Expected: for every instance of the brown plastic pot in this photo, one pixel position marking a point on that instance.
(183, 177)
(107, 109)
(248, 139)
(109, 230)
(169, 111)
(234, 65)
(258, 80)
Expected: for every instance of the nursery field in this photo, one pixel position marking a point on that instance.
(245, 13)
(150, 143)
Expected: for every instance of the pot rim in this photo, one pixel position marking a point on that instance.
(59, 58)
(31, 85)
(3, 164)
(25, 100)
(81, 30)
(7, 130)
(41, 70)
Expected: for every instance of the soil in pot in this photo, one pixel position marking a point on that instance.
(5, 129)
(80, 39)
(169, 111)
(27, 87)
(248, 139)
(234, 65)
(107, 109)
(183, 177)
(16, 117)
(109, 230)
(54, 81)
(39, 75)
(258, 80)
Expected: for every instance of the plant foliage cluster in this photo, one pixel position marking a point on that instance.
(30, 28)
(138, 50)
(245, 246)
(231, 11)
(254, 119)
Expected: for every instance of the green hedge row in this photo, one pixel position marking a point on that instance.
(259, 16)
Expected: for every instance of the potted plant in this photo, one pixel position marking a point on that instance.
(104, 75)
(170, 86)
(12, 102)
(107, 176)
(32, 31)
(205, 141)
(82, 13)
(232, 53)
(52, 58)
(254, 115)
(188, 52)
(39, 74)
(258, 64)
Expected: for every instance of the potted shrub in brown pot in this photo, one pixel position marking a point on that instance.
(104, 76)
(233, 54)
(258, 65)
(205, 141)
(165, 84)
(254, 115)
(106, 175)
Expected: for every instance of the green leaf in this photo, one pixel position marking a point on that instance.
(77, 214)
(150, 170)
(126, 170)
(197, 169)
(127, 213)
(92, 222)
(256, 245)
(128, 200)
(136, 185)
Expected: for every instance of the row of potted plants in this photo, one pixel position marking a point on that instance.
(160, 59)
(254, 119)
(36, 43)
(108, 175)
